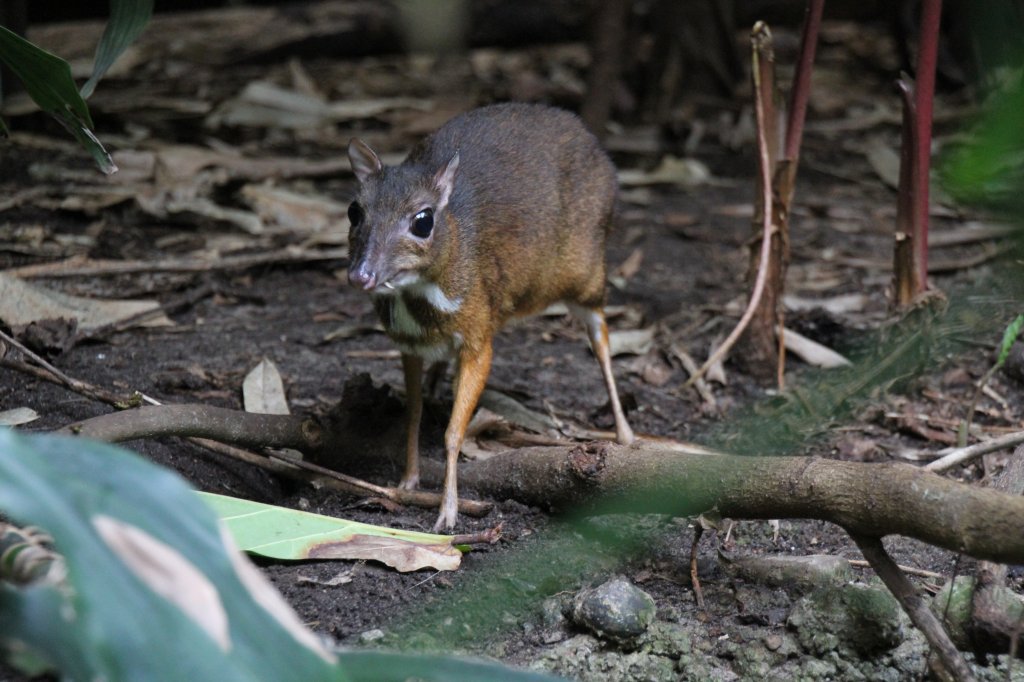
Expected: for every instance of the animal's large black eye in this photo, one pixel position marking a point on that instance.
(355, 214)
(423, 223)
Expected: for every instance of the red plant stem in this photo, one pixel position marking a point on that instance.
(801, 89)
(931, 13)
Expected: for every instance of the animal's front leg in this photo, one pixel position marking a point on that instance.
(474, 366)
(412, 366)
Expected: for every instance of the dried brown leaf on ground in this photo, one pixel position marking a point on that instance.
(22, 303)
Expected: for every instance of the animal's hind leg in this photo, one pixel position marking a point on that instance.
(597, 332)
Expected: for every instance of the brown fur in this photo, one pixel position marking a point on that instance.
(523, 199)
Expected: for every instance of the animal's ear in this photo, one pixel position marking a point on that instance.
(444, 181)
(365, 162)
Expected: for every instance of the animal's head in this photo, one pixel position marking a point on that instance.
(398, 220)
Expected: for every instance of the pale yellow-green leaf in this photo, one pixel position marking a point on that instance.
(281, 533)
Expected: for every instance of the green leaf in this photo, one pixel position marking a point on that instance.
(147, 575)
(1009, 336)
(47, 79)
(281, 533)
(152, 593)
(127, 20)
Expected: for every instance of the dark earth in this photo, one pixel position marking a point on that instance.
(508, 600)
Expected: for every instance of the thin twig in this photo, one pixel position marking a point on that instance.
(951, 458)
(691, 368)
(413, 498)
(44, 370)
(909, 570)
(485, 537)
(914, 606)
(698, 531)
(767, 231)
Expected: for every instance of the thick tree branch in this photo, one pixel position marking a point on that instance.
(208, 423)
(866, 499)
(869, 500)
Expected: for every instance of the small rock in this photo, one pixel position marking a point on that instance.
(616, 610)
(553, 612)
(858, 618)
(773, 642)
(371, 636)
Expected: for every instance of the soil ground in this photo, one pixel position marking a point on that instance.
(691, 277)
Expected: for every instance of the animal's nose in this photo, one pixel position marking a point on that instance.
(360, 275)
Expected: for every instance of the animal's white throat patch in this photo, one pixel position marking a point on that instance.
(438, 299)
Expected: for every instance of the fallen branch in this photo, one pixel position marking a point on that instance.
(205, 423)
(868, 500)
(951, 458)
(46, 371)
(78, 267)
(914, 606)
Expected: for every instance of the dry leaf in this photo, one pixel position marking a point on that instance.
(516, 413)
(263, 390)
(884, 160)
(631, 341)
(671, 171)
(22, 303)
(812, 352)
(836, 305)
(298, 213)
(18, 416)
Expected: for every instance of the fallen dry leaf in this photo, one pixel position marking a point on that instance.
(22, 303)
(263, 390)
(670, 171)
(631, 341)
(812, 352)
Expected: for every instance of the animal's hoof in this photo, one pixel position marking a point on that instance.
(446, 521)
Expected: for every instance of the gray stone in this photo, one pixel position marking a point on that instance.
(855, 618)
(373, 635)
(616, 610)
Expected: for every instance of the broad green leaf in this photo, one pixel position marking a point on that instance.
(281, 533)
(127, 20)
(152, 592)
(47, 79)
(137, 546)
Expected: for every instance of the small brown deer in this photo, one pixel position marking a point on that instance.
(500, 213)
